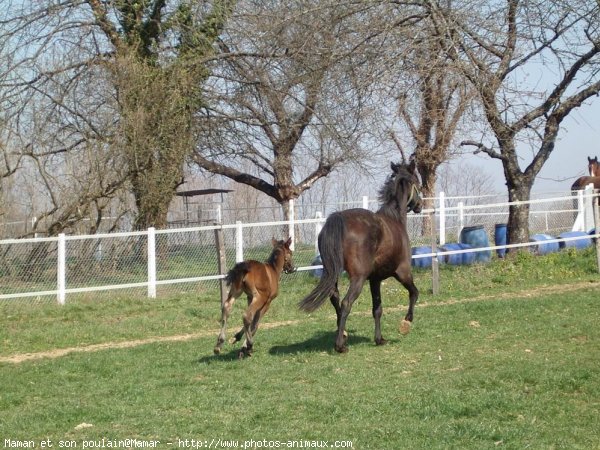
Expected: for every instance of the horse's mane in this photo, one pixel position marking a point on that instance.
(393, 194)
(275, 253)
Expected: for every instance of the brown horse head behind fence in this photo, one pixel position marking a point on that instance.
(260, 282)
(369, 246)
(593, 167)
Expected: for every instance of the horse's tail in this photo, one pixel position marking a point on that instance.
(236, 275)
(330, 247)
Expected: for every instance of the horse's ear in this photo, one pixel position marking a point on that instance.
(288, 242)
(412, 166)
(590, 159)
(394, 167)
(273, 242)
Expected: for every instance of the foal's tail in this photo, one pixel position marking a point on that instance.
(236, 275)
(330, 247)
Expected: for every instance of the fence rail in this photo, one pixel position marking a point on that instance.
(56, 267)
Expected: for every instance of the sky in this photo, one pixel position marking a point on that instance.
(578, 138)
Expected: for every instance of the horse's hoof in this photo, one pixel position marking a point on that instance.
(381, 341)
(233, 340)
(342, 349)
(405, 327)
(345, 334)
(217, 350)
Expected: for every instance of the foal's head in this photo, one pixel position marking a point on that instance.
(403, 186)
(594, 167)
(281, 249)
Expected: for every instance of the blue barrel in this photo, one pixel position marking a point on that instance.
(581, 243)
(476, 237)
(421, 262)
(318, 273)
(500, 238)
(542, 248)
(467, 257)
(453, 260)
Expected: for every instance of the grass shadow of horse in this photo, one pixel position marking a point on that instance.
(320, 342)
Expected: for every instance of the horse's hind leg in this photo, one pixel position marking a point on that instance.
(226, 308)
(335, 301)
(377, 310)
(413, 295)
(352, 294)
(251, 318)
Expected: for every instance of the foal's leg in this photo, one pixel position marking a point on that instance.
(413, 294)
(226, 308)
(251, 318)
(240, 334)
(352, 294)
(377, 310)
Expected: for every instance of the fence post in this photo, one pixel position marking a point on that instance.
(221, 262)
(596, 210)
(61, 269)
(588, 221)
(435, 269)
(219, 215)
(461, 219)
(442, 218)
(318, 227)
(151, 244)
(239, 242)
(365, 202)
(292, 225)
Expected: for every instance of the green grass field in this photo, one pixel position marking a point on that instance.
(506, 357)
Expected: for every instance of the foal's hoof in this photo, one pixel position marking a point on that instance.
(342, 349)
(405, 327)
(381, 341)
(233, 340)
(217, 350)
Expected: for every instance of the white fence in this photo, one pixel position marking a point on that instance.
(150, 260)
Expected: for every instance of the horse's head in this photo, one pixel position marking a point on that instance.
(281, 249)
(594, 167)
(405, 177)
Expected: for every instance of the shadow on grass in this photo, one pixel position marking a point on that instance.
(321, 342)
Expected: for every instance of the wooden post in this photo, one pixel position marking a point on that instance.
(221, 262)
(435, 270)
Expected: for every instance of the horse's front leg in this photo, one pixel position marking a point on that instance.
(352, 294)
(377, 310)
(413, 296)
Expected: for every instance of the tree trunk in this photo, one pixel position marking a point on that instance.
(428, 179)
(518, 215)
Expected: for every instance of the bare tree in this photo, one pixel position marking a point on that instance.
(495, 46)
(292, 99)
(121, 76)
(433, 103)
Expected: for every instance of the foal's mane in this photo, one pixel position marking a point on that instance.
(275, 253)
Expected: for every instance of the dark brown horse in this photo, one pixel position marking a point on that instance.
(582, 182)
(260, 282)
(369, 246)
